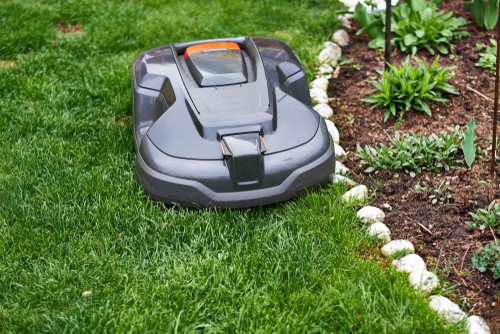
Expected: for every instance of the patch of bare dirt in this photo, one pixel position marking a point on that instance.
(7, 64)
(73, 29)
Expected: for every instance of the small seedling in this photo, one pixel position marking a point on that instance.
(488, 258)
(485, 218)
(422, 186)
(440, 194)
(347, 63)
(488, 58)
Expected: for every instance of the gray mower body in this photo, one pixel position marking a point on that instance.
(226, 123)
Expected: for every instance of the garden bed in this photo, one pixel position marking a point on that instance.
(437, 230)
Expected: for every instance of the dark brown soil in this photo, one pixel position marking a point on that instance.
(438, 231)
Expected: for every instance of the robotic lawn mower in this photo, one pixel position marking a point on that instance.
(226, 123)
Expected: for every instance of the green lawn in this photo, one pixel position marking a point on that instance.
(74, 218)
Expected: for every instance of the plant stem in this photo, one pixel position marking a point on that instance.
(478, 93)
(388, 13)
(495, 113)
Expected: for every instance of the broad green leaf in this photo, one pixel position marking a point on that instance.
(387, 114)
(360, 15)
(410, 39)
(491, 15)
(416, 5)
(427, 14)
(426, 109)
(377, 43)
(468, 146)
(369, 170)
(442, 49)
(373, 29)
(420, 33)
(446, 33)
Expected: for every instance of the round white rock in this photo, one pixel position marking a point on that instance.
(330, 54)
(477, 325)
(448, 309)
(318, 96)
(325, 70)
(423, 280)
(339, 151)
(323, 110)
(335, 178)
(370, 214)
(345, 21)
(410, 263)
(321, 83)
(358, 193)
(332, 129)
(397, 246)
(380, 230)
(341, 37)
(340, 168)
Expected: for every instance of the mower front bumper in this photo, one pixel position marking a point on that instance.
(207, 183)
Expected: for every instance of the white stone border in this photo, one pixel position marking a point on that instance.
(419, 277)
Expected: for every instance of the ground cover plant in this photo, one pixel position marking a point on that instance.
(485, 219)
(488, 58)
(415, 25)
(439, 231)
(413, 153)
(488, 258)
(73, 218)
(406, 87)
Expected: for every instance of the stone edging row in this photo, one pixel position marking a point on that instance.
(420, 278)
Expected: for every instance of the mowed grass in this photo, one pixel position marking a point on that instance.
(73, 217)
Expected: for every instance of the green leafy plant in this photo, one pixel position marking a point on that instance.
(485, 152)
(488, 59)
(485, 218)
(490, 146)
(411, 87)
(372, 23)
(485, 13)
(488, 258)
(468, 146)
(413, 153)
(347, 63)
(438, 195)
(416, 24)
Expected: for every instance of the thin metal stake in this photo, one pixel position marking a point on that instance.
(388, 13)
(495, 115)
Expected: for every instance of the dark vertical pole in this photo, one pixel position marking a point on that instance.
(495, 115)
(388, 13)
